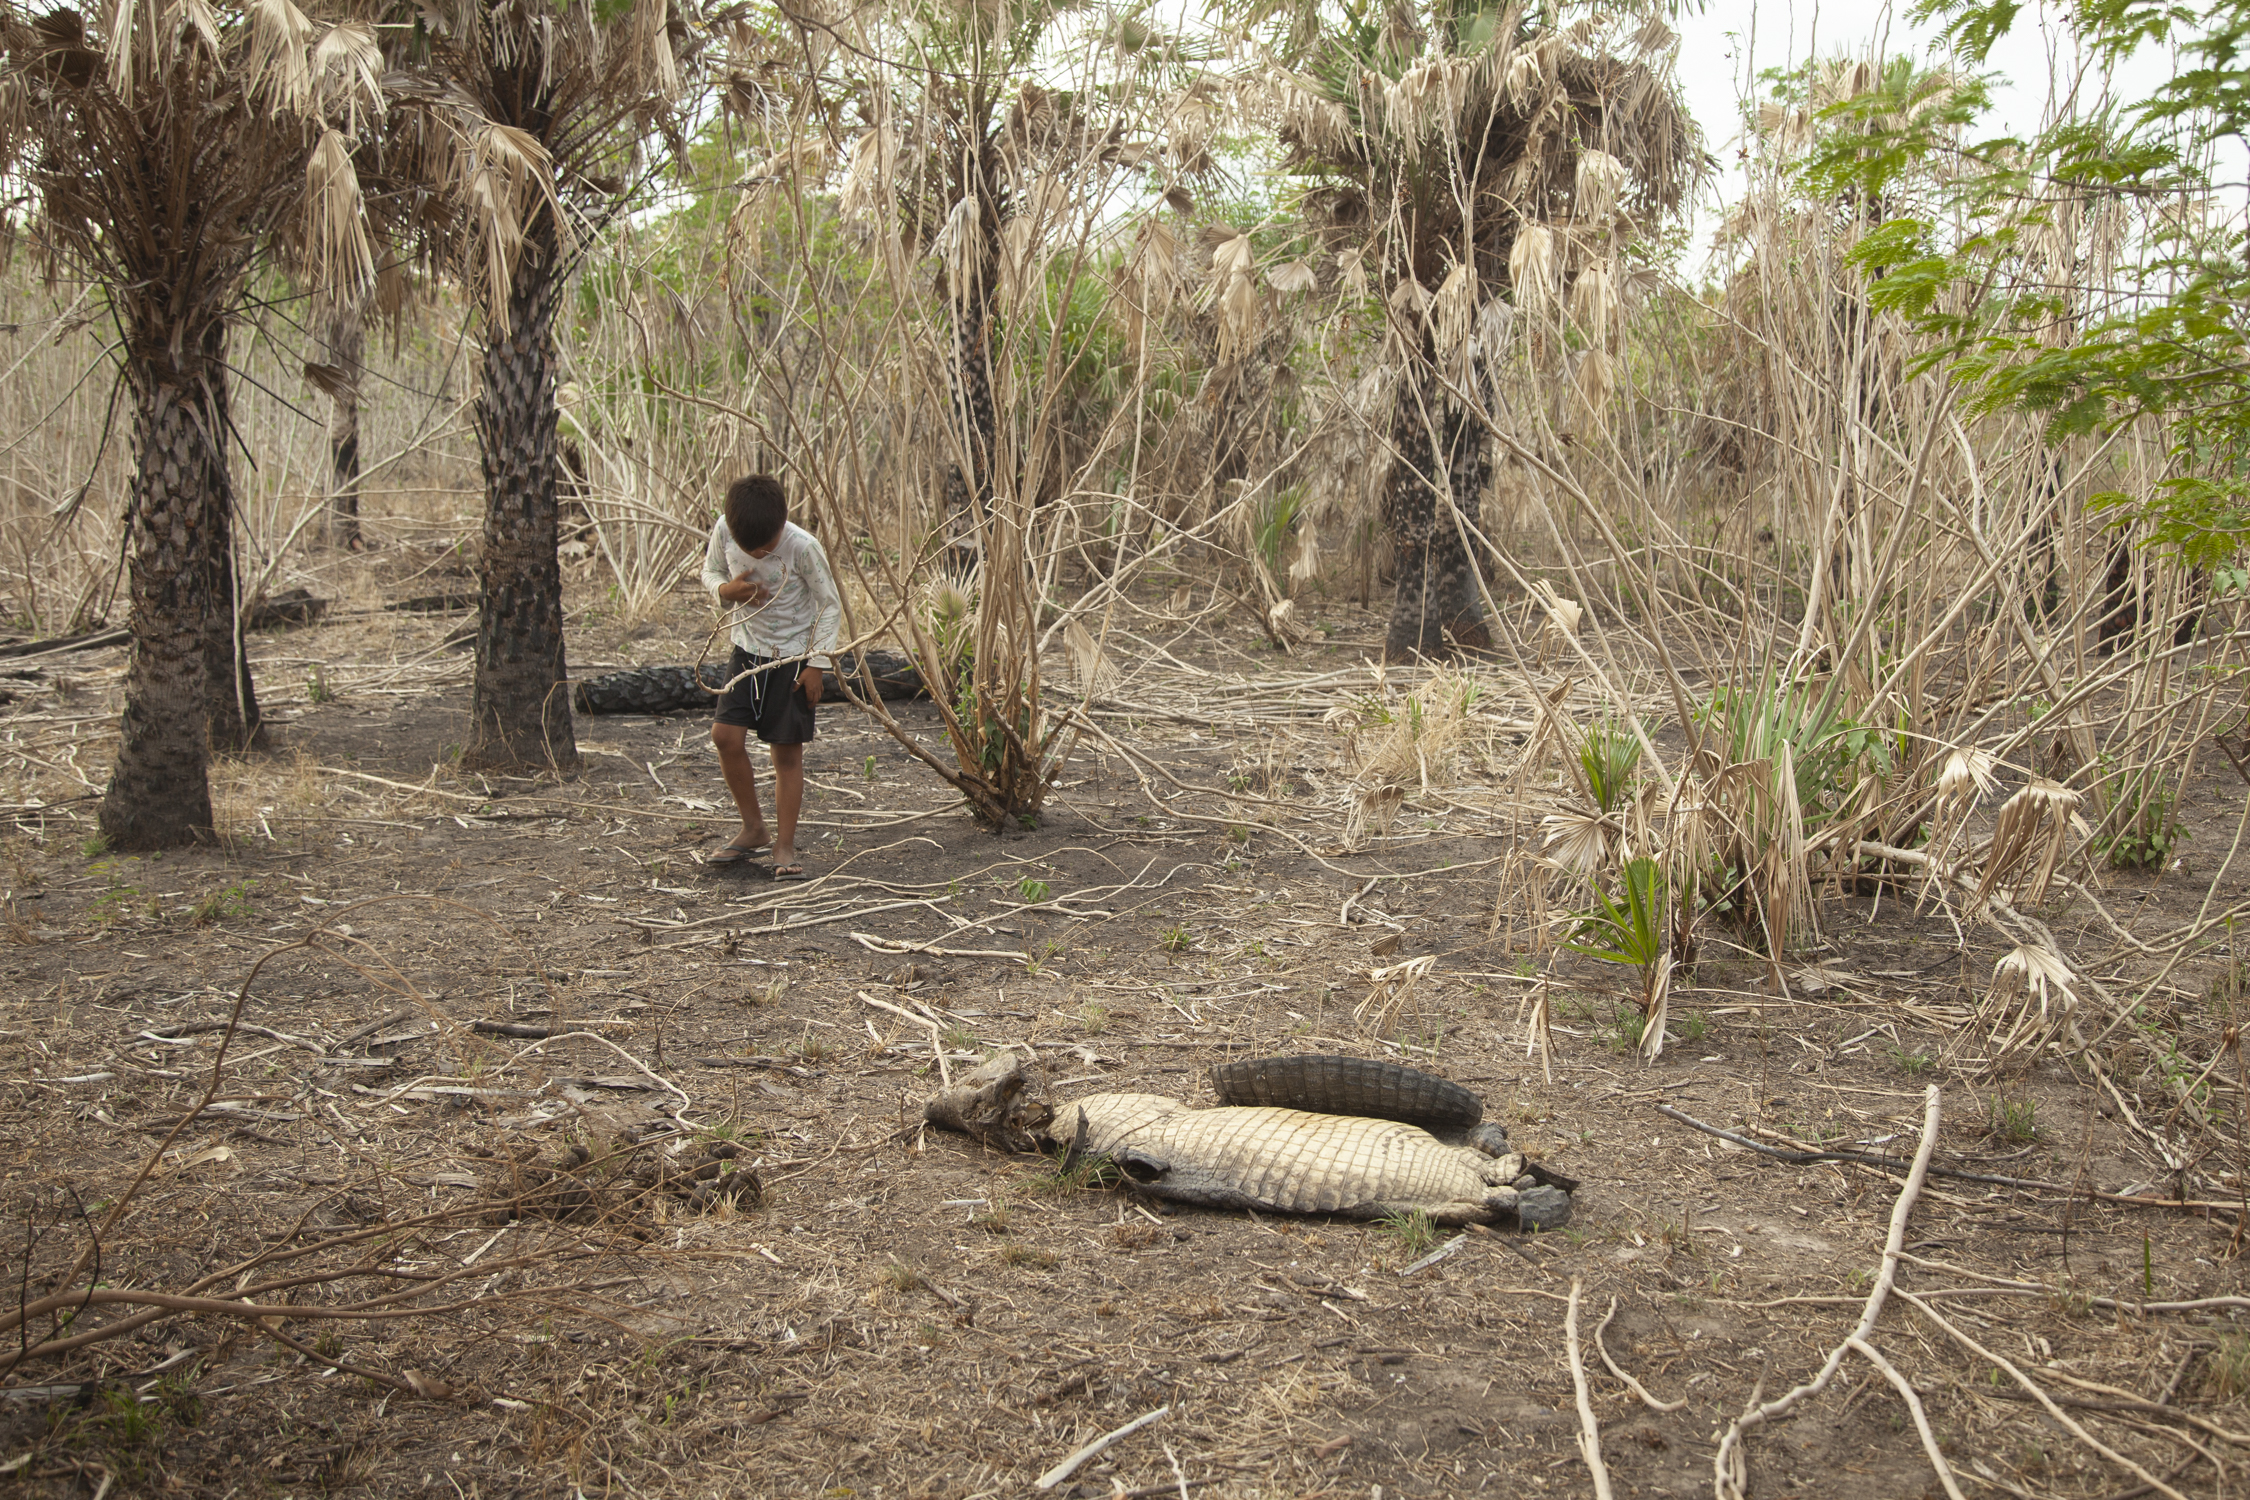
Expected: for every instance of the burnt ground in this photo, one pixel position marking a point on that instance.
(907, 1314)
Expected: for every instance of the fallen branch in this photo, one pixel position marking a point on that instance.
(1071, 1465)
(1954, 1174)
(1730, 1471)
(937, 1037)
(1905, 1389)
(2061, 1417)
(1589, 1430)
(1631, 1384)
(875, 944)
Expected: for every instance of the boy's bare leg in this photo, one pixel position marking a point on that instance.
(788, 798)
(734, 764)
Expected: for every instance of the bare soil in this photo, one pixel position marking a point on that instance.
(905, 1314)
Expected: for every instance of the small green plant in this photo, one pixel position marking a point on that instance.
(1630, 933)
(1607, 758)
(94, 845)
(2014, 1120)
(224, 904)
(2143, 832)
(1035, 963)
(1274, 521)
(868, 770)
(1912, 1064)
(317, 689)
(900, 1277)
(1695, 1028)
(1237, 834)
(1013, 1254)
(958, 1038)
(1411, 1235)
(113, 905)
(1626, 1028)
(2228, 1375)
(1088, 1172)
(1093, 1018)
(811, 1048)
(2228, 987)
(994, 1219)
(129, 1422)
(1032, 890)
(1178, 939)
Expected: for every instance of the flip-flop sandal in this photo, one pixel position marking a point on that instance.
(731, 855)
(789, 872)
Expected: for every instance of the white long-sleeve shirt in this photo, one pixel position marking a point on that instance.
(802, 609)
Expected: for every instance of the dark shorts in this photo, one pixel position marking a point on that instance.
(768, 701)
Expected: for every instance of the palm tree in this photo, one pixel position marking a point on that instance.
(1433, 137)
(162, 145)
(532, 118)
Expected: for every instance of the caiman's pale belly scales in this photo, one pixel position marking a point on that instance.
(1291, 1161)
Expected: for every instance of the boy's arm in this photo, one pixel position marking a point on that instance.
(828, 605)
(715, 574)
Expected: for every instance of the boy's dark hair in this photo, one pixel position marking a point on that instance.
(756, 510)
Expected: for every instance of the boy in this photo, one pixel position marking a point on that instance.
(773, 576)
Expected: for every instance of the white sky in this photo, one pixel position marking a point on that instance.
(1723, 50)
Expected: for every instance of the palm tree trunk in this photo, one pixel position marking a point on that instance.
(520, 705)
(230, 696)
(159, 792)
(968, 485)
(347, 355)
(1437, 607)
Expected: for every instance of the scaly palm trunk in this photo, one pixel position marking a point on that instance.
(1437, 608)
(159, 793)
(520, 705)
(230, 696)
(969, 479)
(347, 354)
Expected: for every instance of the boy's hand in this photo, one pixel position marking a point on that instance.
(809, 681)
(743, 589)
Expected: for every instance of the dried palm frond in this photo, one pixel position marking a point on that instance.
(1581, 841)
(1351, 271)
(280, 69)
(867, 186)
(1658, 1007)
(505, 175)
(1600, 178)
(1963, 779)
(1594, 303)
(960, 246)
(1531, 266)
(1371, 812)
(2027, 841)
(1306, 565)
(778, 180)
(1563, 614)
(1967, 775)
(1095, 674)
(1389, 990)
(1593, 381)
(1282, 620)
(1521, 79)
(2031, 1001)
(1453, 310)
(347, 68)
(338, 256)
